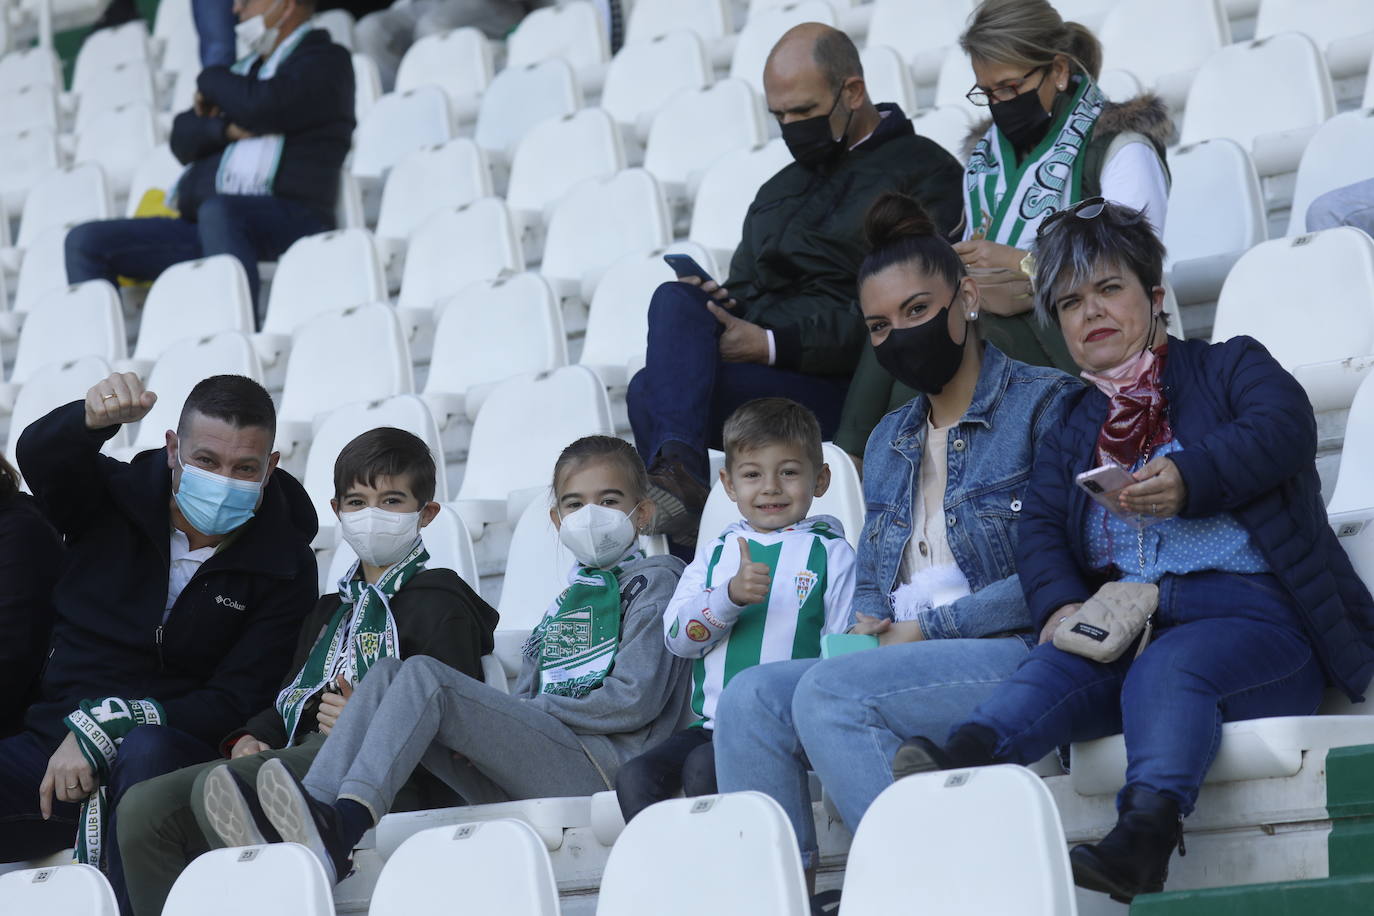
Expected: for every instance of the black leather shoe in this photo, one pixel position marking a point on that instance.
(679, 498)
(231, 806)
(300, 818)
(1133, 858)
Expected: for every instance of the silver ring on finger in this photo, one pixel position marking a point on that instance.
(109, 396)
(74, 786)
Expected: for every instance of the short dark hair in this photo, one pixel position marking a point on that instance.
(234, 399)
(1070, 250)
(9, 479)
(769, 421)
(386, 452)
(837, 58)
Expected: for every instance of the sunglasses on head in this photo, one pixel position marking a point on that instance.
(1091, 208)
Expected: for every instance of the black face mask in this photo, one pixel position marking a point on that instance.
(1022, 120)
(810, 141)
(924, 356)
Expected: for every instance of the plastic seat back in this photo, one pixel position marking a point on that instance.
(1215, 202)
(921, 34)
(319, 378)
(1354, 484)
(63, 198)
(649, 19)
(318, 273)
(1337, 153)
(521, 97)
(725, 192)
(458, 62)
(85, 319)
(454, 248)
(571, 31)
(181, 367)
(1157, 38)
(48, 388)
(600, 221)
(559, 153)
(285, 879)
(431, 179)
(398, 124)
(60, 890)
(646, 74)
(194, 299)
(679, 150)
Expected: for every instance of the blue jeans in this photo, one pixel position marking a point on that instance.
(145, 752)
(845, 718)
(1227, 647)
(251, 229)
(215, 21)
(1352, 205)
(685, 391)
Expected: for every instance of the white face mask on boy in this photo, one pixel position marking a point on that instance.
(597, 536)
(379, 537)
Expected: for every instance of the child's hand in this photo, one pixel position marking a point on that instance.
(871, 626)
(752, 583)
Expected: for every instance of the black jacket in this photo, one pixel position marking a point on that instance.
(309, 100)
(30, 561)
(803, 241)
(228, 638)
(437, 614)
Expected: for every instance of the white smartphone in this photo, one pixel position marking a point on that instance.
(1104, 483)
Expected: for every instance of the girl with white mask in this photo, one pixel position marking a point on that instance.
(596, 685)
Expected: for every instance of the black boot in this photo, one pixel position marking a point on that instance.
(970, 746)
(1134, 858)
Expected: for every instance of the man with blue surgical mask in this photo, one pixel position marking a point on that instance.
(189, 570)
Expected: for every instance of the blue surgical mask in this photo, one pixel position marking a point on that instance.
(214, 504)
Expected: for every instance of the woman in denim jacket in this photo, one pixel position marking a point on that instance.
(944, 481)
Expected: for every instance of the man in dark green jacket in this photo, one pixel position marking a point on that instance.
(785, 323)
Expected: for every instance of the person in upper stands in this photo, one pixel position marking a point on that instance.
(788, 580)
(187, 575)
(936, 578)
(390, 603)
(1352, 205)
(784, 323)
(1222, 538)
(264, 146)
(1053, 140)
(597, 686)
(30, 562)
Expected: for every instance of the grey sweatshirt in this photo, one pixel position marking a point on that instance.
(641, 701)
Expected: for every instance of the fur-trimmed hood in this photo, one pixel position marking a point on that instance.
(1145, 114)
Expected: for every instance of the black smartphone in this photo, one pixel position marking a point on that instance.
(684, 265)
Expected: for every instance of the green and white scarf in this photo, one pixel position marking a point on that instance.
(249, 166)
(576, 642)
(100, 727)
(1006, 201)
(361, 631)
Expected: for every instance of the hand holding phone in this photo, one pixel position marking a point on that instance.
(1104, 485)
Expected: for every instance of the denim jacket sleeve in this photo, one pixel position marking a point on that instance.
(997, 608)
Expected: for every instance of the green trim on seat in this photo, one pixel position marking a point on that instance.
(1350, 804)
(1348, 896)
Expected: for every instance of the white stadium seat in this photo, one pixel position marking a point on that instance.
(44, 268)
(762, 32)
(644, 76)
(160, 171)
(1216, 214)
(953, 84)
(754, 867)
(1332, 272)
(320, 379)
(921, 34)
(446, 539)
(651, 18)
(888, 78)
(725, 192)
(618, 318)
(174, 36)
(455, 247)
(998, 820)
(432, 179)
(1090, 13)
(544, 413)
(193, 299)
(598, 222)
(1342, 29)
(947, 125)
(105, 48)
(64, 198)
(458, 62)
(118, 139)
(318, 273)
(1162, 43)
(180, 368)
(498, 866)
(536, 572)
(283, 879)
(474, 347)
(398, 124)
(571, 31)
(1267, 95)
(126, 83)
(1354, 489)
(339, 24)
(680, 150)
(51, 386)
(345, 423)
(26, 156)
(1338, 155)
(63, 890)
(27, 107)
(553, 157)
(519, 98)
(36, 66)
(85, 319)
(367, 86)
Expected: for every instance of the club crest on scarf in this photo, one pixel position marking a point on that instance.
(575, 644)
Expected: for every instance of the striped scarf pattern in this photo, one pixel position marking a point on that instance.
(576, 642)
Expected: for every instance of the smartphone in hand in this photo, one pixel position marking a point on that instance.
(684, 265)
(1104, 484)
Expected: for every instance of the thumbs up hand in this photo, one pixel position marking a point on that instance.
(751, 584)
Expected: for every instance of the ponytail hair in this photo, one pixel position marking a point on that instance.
(1030, 33)
(900, 231)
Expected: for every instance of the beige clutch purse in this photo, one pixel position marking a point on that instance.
(1108, 622)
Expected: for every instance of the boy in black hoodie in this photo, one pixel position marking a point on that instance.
(389, 604)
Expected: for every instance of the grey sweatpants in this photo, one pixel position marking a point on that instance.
(487, 746)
